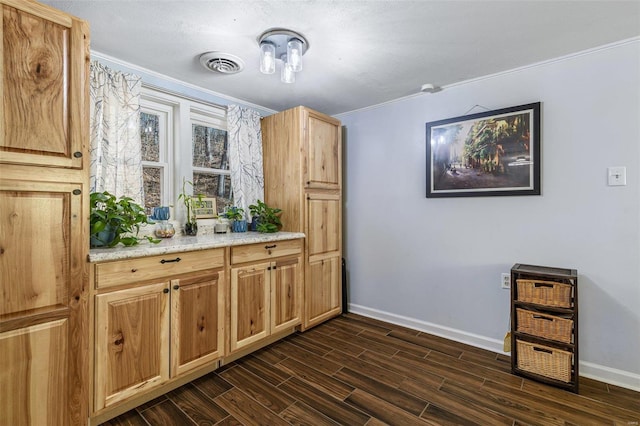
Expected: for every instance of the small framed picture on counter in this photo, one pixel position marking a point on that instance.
(205, 209)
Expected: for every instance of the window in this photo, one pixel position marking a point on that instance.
(210, 159)
(156, 124)
(167, 123)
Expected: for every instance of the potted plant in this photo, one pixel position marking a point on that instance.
(191, 202)
(236, 216)
(264, 218)
(114, 221)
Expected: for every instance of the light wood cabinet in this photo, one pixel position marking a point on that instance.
(151, 331)
(33, 373)
(265, 295)
(43, 216)
(43, 85)
(303, 175)
(197, 320)
(132, 348)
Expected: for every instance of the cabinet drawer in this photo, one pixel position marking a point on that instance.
(254, 252)
(544, 325)
(544, 360)
(549, 293)
(154, 267)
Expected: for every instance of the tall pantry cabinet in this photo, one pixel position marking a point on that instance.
(303, 176)
(43, 216)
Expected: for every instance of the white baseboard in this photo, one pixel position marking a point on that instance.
(610, 375)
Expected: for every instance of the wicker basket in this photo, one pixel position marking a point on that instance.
(545, 361)
(545, 326)
(549, 293)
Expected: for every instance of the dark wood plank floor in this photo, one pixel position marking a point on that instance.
(358, 371)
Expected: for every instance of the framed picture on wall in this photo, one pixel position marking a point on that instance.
(485, 154)
(205, 209)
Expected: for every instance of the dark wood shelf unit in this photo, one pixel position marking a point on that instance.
(541, 341)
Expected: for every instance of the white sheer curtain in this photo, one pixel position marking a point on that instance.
(245, 156)
(116, 151)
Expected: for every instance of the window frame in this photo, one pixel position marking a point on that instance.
(217, 120)
(176, 158)
(150, 104)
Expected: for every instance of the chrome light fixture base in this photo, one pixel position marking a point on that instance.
(279, 37)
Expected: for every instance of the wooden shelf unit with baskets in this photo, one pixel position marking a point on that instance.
(544, 324)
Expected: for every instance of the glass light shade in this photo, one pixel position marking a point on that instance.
(294, 53)
(287, 74)
(267, 58)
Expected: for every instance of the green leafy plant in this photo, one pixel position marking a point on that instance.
(114, 220)
(268, 218)
(191, 202)
(234, 213)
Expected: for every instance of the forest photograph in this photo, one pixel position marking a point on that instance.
(490, 153)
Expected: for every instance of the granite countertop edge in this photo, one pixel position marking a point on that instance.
(180, 244)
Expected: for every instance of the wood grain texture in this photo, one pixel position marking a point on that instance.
(142, 269)
(323, 229)
(285, 286)
(374, 387)
(33, 375)
(44, 134)
(35, 263)
(249, 308)
(323, 151)
(302, 149)
(36, 91)
(323, 290)
(132, 347)
(264, 251)
(197, 319)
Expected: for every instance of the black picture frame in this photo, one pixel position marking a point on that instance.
(492, 153)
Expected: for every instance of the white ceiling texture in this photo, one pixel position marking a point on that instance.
(361, 53)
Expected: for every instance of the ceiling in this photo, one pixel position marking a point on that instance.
(361, 52)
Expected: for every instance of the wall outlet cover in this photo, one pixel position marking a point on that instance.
(505, 280)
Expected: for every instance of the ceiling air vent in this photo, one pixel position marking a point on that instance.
(220, 62)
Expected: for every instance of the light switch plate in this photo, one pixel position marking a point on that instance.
(617, 176)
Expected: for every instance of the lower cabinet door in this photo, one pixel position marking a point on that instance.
(33, 375)
(323, 291)
(132, 348)
(285, 294)
(249, 305)
(197, 321)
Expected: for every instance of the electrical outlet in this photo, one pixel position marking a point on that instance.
(505, 281)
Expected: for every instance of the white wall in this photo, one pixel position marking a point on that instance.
(436, 263)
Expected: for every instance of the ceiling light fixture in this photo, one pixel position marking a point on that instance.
(285, 46)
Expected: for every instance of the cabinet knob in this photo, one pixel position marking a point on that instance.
(166, 290)
(134, 270)
(77, 154)
(76, 192)
(176, 287)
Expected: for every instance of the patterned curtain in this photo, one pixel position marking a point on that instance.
(245, 156)
(116, 151)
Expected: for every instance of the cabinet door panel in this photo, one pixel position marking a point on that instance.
(323, 151)
(285, 294)
(132, 348)
(323, 227)
(33, 375)
(43, 84)
(197, 321)
(39, 267)
(249, 305)
(322, 290)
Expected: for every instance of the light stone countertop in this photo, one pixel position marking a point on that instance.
(181, 243)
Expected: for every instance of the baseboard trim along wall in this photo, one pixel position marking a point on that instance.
(610, 375)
